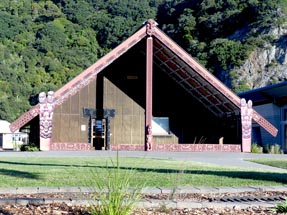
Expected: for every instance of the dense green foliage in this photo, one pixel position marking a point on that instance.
(45, 43)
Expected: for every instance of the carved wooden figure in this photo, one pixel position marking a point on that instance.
(246, 123)
(149, 138)
(46, 117)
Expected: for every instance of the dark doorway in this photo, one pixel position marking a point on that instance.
(99, 134)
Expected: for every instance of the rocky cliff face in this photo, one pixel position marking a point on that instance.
(265, 65)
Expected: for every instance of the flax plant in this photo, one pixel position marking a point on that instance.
(114, 196)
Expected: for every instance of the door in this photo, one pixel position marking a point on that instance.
(99, 134)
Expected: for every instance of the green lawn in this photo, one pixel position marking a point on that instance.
(280, 163)
(54, 172)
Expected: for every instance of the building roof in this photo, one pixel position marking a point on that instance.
(276, 93)
(4, 127)
(170, 58)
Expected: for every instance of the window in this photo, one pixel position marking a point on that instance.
(160, 126)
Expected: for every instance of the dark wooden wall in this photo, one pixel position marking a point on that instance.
(128, 125)
(68, 117)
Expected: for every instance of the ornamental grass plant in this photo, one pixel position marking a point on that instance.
(114, 194)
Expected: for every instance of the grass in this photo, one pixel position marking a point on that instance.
(63, 172)
(280, 163)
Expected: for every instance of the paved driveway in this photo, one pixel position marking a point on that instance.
(218, 158)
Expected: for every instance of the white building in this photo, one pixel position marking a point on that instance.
(9, 140)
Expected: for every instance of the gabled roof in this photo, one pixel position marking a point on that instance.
(170, 58)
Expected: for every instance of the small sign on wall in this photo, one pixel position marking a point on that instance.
(83, 127)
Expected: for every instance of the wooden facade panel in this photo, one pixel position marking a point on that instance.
(137, 109)
(84, 97)
(143, 137)
(127, 104)
(56, 126)
(75, 104)
(127, 127)
(116, 129)
(109, 87)
(126, 133)
(110, 102)
(68, 119)
(57, 109)
(65, 128)
(165, 139)
(112, 93)
(75, 128)
(119, 131)
(118, 103)
(112, 129)
(92, 94)
(137, 131)
(66, 106)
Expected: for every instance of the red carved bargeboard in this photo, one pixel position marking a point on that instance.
(26, 117)
(183, 147)
(83, 79)
(71, 147)
(90, 74)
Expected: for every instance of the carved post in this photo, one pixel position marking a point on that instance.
(149, 82)
(246, 124)
(46, 118)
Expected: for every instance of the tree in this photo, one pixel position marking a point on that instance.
(226, 53)
(50, 38)
(10, 26)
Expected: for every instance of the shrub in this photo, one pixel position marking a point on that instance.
(267, 148)
(277, 149)
(255, 148)
(17, 145)
(273, 149)
(31, 147)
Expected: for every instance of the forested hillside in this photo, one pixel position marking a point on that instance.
(45, 43)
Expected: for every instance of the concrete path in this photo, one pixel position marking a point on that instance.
(217, 158)
(180, 203)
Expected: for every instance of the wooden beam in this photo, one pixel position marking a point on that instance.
(149, 83)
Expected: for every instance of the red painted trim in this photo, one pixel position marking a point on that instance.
(182, 147)
(71, 147)
(157, 147)
(24, 118)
